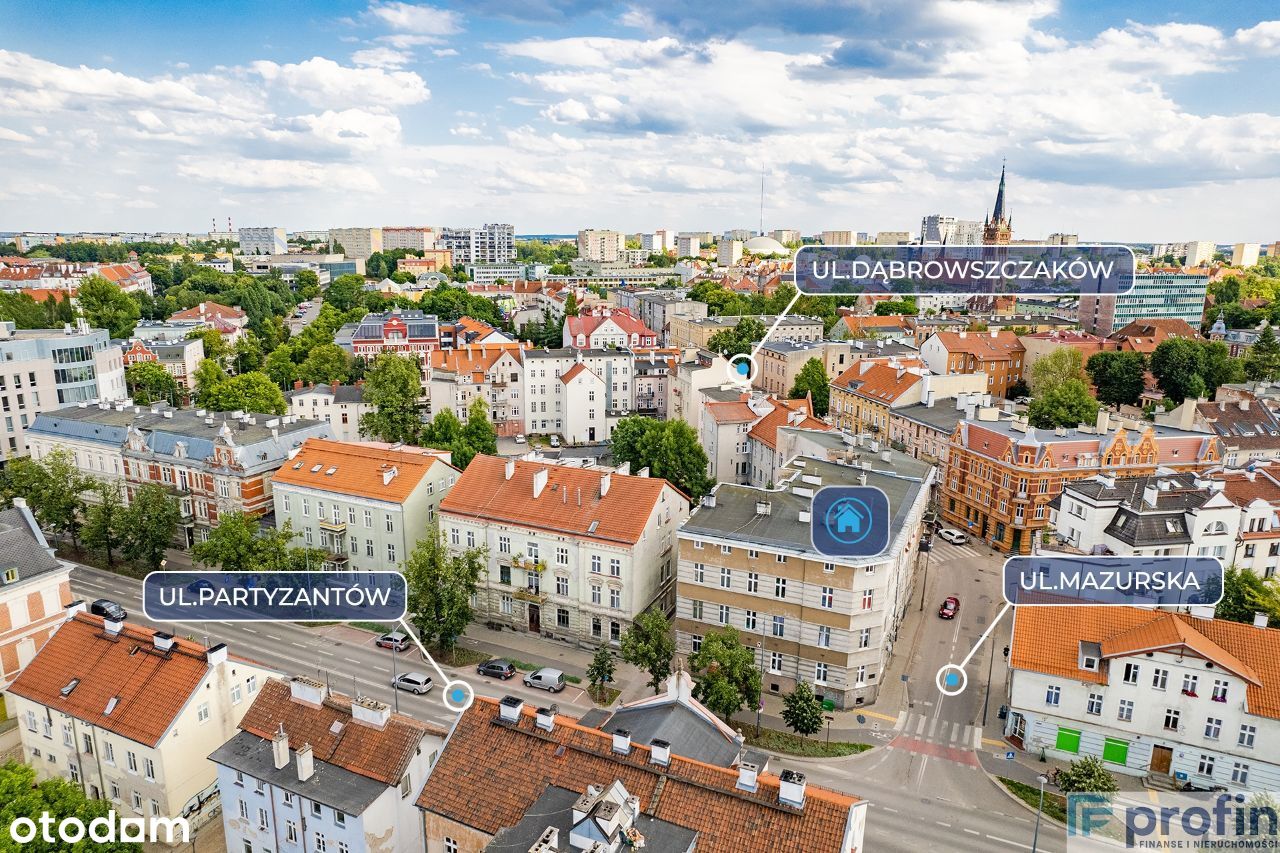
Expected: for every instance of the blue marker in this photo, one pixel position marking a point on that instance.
(952, 679)
(744, 368)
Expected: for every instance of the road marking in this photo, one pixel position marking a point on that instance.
(382, 669)
(933, 726)
(272, 637)
(968, 730)
(250, 630)
(351, 660)
(884, 717)
(970, 831)
(920, 724)
(992, 741)
(299, 645)
(323, 652)
(887, 809)
(940, 823)
(955, 732)
(1007, 841)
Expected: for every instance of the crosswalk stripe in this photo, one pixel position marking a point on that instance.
(920, 721)
(955, 731)
(933, 726)
(968, 731)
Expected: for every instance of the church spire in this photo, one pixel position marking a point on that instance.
(998, 214)
(998, 227)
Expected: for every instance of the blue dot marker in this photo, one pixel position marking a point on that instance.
(743, 368)
(952, 679)
(457, 694)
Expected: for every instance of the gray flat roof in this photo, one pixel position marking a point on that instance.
(942, 415)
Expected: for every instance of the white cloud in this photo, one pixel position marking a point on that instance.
(7, 135)
(417, 19)
(444, 52)
(277, 174)
(324, 83)
(381, 57)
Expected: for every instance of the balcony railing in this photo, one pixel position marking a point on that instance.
(537, 596)
(333, 526)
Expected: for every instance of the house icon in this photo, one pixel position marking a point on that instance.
(848, 519)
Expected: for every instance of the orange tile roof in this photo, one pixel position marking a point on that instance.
(620, 516)
(210, 309)
(44, 294)
(586, 324)
(1146, 335)
(473, 357)
(858, 323)
(150, 688)
(731, 412)
(766, 429)
(380, 754)
(880, 383)
(1047, 640)
(985, 346)
(491, 772)
(569, 375)
(360, 469)
(1243, 488)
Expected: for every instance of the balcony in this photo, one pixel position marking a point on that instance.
(338, 527)
(336, 562)
(537, 596)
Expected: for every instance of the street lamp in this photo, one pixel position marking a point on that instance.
(1035, 838)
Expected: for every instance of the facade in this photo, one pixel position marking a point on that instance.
(340, 406)
(595, 245)
(605, 327)
(656, 308)
(652, 385)
(1151, 693)
(692, 380)
(431, 261)
(573, 554)
(490, 372)
(892, 327)
(139, 742)
(998, 355)
(366, 506)
(574, 391)
(697, 332)
(315, 770)
(924, 430)
(780, 362)
(747, 561)
(1164, 295)
(491, 244)
(838, 238)
(403, 332)
(864, 397)
(728, 252)
(1244, 254)
(46, 369)
(415, 238)
(893, 238)
(740, 435)
(1002, 474)
(1145, 335)
(1248, 430)
(263, 241)
(688, 246)
(1200, 253)
(33, 587)
(1040, 344)
(1256, 491)
(179, 358)
(358, 243)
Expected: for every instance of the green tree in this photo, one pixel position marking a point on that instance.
(600, 672)
(726, 673)
(327, 363)
(1120, 377)
(739, 340)
(22, 797)
(208, 378)
(1262, 363)
(1174, 363)
(345, 292)
(392, 386)
(570, 305)
(477, 435)
(275, 551)
(148, 382)
(246, 354)
(443, 431)
(1219, 366)
(1087, 775)
(232, 545)
(801, 710)
(279, 365)
(150, 524)
(104, 523)
(1066, 405)
(649, 646)
(669, 449)
(215, 346)
(24, 311)
(53, 487)
(812, 379)
(1058, 367)
(249, 392)
(105, 306)
(895, 306)
(440, 585)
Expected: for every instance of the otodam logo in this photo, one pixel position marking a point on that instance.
(107, 829)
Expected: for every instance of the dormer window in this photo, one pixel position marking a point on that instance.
(1090, 656)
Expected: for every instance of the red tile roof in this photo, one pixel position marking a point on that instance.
(470, 358)
(210, 309)
(357, 469)
(984, 346)
(731, 412)
(766, 429)
(586, 324)
(491, 772)
(570, 374)
(484, 492)
(1146, 335)
(881, 383)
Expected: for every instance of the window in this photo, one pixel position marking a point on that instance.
(562, 556)
(235, 694)
(131, 761)
(615, 599)
(321, 843)
(471, 539)
(1125, 713)
(819, 673)
(828, 597)
(779, 587)
(779, 626)
(1205, 767)
(244, 809)
(1159, 677)
(595, 564)
(248, 847)
(1219, 690)
(868, 599)
(779, 558)
(339, 818)
(775, 662)
(753, 553)
(251, 684)
(1131, 673)
(115, 790)
(726, 578)
(697, 544)
(109, 752)
(1212, 728)
(699, 572)
(696, 641)
(695, 607)
(1189, 684)
(1094, 704)
(1115, 751)
(1053, 695)
(1068, 740)
(202, 712)
(291, 832)
(391, 553)
(753, 581)
(1171, 718)
(504, 544)
(504, 575)
(316, 809)
(149, 768)
(864, 638)
(343, 847)
(505, 604)
(562, 586)
(824, 637)
(136, 799)
(749, 620)
(615, 567)
(263, 823)
(724, 614)
(532, 551)
(1246, 736)
(450, 846)
(1240, 773)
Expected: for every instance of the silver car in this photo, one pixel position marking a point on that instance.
(546, 679)
(416, 683)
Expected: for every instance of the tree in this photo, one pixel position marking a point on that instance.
(279, 365)
(440, 585)
(1056, 368)
(215, 346)
(801, 710)
(54, 488)
(104, 523)
(248, 392)
(669, 449)
(478, 435)
(726, 673)
(105, 306)
(1087, 775)
(1065, 405)
(208, 378)
(739, 340)
(232, 545)
(893, 307)
(600, 672)
(345, 292)
(150, 523)
(571, 305)
(327, 363)
(1174, 363)
(812, 379)
(649, 646)
(56, 799)
(1262, 363)
(1219, 366)
(1119, 376)
(275, 551)
(392, 386)
(1244, 594)
(148, 382)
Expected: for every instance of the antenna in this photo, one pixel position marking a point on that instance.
(762, 201)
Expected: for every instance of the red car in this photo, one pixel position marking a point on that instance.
(950, 607)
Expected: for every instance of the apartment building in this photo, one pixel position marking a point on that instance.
(263, 241)
(688, 246)
(1256, 491)
(1245, 254)
(490, 372)
(838, 238)
(432, 260)
(780, 362)
(1152, 693)
(179, 358)
(573, 554)
(357, 243)
(864, 397)
(596, 245)
(887, 327)
(1145, 335)
(140, 742)
(412, 332)
(728, 252)
(1040, 344)
(415, 238)
(694, 379)
(491, 244)
(574, 392)
(724, 431)
(1248, 430)
(1001, 474)
(924, 430)
(229, 320)
(698, 331)
(1162, 294)
(653, 376)
(564, 781)
(893, 238)
(340, 406)
(1200, 253)
(998, 355)
(604, 327)
(312, 769)
(747, 561)
(33, 589)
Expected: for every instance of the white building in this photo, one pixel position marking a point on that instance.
(1200, 252)
(1244, 254)
(33, 587)
(494, 243)
(662, 240)
(263, 241)
(314, 770)
(728, 252)
(688, 246)
(358, 243)
(604, 246)
(603, 387)
(1149, 692)
(341, 406)
(838, 238)
(786, 236)
(417, 238)
(573, 553)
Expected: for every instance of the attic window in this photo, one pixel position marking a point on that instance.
(1089, 663)
(111, 704)
(315, 469)
(336, 727)
(71, 685)
(593, 527)
(331, 472)
(1173, 525)
(10, 575)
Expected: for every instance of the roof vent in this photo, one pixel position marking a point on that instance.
(791, 788)
(71, 685)
(315, 469)
(763, 508)
(331, 472)
(622, 741)
(660, 752)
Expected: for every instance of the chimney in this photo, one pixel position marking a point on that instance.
(163, 642)
(791, 788)
(307, 763)
(747, 774)
(216, 655)
(1150, 495)
(546, 718)
(1104, 421)
(622, 742)
(509, 709)
(510, 469)
(539, 481)
(297, 384)
(660, 752)
(280, 748)
(1260, 620)
(1244, 405)
(370, 711)
(308, 690)
(112, 627)
(604, 483)
(77, 606)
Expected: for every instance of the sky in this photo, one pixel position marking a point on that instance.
(1118, 119)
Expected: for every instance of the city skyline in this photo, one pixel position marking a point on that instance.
(599, 115)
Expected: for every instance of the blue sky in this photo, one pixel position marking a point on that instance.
(1119, 120)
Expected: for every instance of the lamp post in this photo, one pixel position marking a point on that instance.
(1035, 838)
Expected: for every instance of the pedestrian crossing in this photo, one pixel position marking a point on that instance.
(931, 729)
(943, 550)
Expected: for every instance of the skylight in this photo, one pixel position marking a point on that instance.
(71, 685)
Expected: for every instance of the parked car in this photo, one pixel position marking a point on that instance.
(949, 608)
(397, 640)
(520, 439)
(555, 441)
(926, 544)
(546, 679)
(416, 683)
(199, 584)
(108, 609)
(955, 537)
(497, 668)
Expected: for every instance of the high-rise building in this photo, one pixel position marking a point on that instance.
(838, 238)
(728, 252)
(604, 246)
(743, 234)
(998, 227)
(357, 243)
(688, 246)
(417, 238)
(1058, 239)
(662, 240)
(893, 238)
(493, 243)
(263, 241)
(1244, 254)
(936, 228)
(786, 236)
(1200, 252)
(1153, 296)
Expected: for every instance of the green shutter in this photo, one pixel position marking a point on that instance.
(1116, 751)
(1068, 740)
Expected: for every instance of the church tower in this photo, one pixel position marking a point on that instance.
(997, 230)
